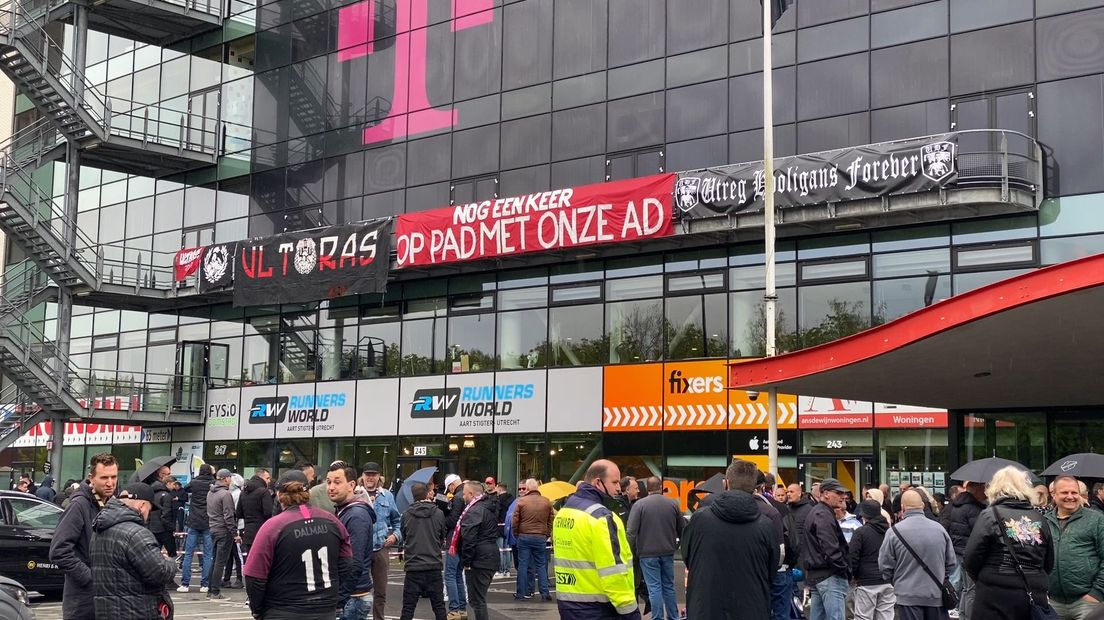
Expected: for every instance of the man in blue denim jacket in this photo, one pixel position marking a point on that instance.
(388, 533)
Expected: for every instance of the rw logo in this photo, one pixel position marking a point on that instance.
(435, 403)
(411, 112)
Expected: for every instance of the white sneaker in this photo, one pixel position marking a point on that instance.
(203, 589)
(183, 589)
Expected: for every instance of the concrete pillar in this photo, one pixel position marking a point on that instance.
(80, 45)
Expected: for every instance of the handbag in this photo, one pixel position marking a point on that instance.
(1039, 611)
(947, 592)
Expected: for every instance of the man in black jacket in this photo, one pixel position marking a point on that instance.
(959, 518)
(254, 506)
(874, 597)
(824, 553)
(163, 521)
(423, 527)
(128, 571)
(69, 548)
(199, 530)
(726, 539)
(475, 544)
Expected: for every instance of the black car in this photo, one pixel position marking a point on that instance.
(27, 526)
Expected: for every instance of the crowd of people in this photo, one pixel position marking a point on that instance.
(318, 547)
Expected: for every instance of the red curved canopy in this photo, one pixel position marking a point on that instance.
(1035, 340)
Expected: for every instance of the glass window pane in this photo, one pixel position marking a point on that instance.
(826, 271)
(576, 336)
(754, 276)
(697, 24)
(576, 293)
(909, 24)
(696, 111)
(971, 14)
(522, 339)
(696, 282)
(1071, 124)
(834, 39)
(378, 351)
(634, 288)
(832, 87)
(523, 298)
(964, 282)
(1054, 251)
(992, 59)
(908, 73)
(423, 347)
(1000, 229)
(981, 257)
(749, 324)
(527, 45)
(696, 327)
(833, 311)
(471, 342)
(909, 238)
(639, 31)
(635, 331)
(580, 30)
(920, 262)
(896, 298)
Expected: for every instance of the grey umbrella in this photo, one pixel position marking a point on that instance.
(982, 470)
(150, 467)
(405, 498)
(1083, 465)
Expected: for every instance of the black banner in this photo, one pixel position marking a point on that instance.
(852, 173)
(217, 269)
(313, 264)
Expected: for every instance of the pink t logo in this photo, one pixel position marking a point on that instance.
(356, 37)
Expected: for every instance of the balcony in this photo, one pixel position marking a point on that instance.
(157, 22)
(999, 172)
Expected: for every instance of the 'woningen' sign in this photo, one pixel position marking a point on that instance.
(832, 176)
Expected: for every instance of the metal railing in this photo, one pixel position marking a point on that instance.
(17, 24)
(98, 388)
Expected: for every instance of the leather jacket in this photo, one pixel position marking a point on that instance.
(1027, 531)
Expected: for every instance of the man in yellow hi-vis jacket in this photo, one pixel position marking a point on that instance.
(593, 562)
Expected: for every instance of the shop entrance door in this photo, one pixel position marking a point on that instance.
(852, 471)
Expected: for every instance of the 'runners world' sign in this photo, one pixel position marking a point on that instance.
(867, 171)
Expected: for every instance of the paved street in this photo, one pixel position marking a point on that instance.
(194, 606)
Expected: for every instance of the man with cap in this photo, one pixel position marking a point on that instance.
(454, 572)
(221, 515)
(825, 554)
(290, 571)
(130, 576)
(386, 534)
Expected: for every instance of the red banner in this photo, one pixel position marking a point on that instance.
(564, 218)
(187, 261)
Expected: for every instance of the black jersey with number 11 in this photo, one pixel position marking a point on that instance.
(300, 552)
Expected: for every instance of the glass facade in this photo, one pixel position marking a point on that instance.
(323, 120)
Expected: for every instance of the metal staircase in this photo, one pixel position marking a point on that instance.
(18, 414)
(38, 67)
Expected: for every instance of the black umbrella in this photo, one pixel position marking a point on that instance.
(982, 470)
(1083, 465)
(150, 467)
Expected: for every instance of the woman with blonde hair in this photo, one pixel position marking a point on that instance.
(1009, 552)
(876, 495)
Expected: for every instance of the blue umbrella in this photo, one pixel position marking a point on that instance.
(405, 497)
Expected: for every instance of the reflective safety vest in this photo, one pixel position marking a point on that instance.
(593, 562)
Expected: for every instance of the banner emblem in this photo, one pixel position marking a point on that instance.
(686, 193)
(938, 160)
(215, 263)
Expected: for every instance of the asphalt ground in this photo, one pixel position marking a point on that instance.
(501, 602)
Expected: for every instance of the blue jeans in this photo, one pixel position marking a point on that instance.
(505, 558)
(659, 576)
(781, 595)
(454, 583)
(532, 557)
(828, 599)
(357, 608)
(208, 556)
